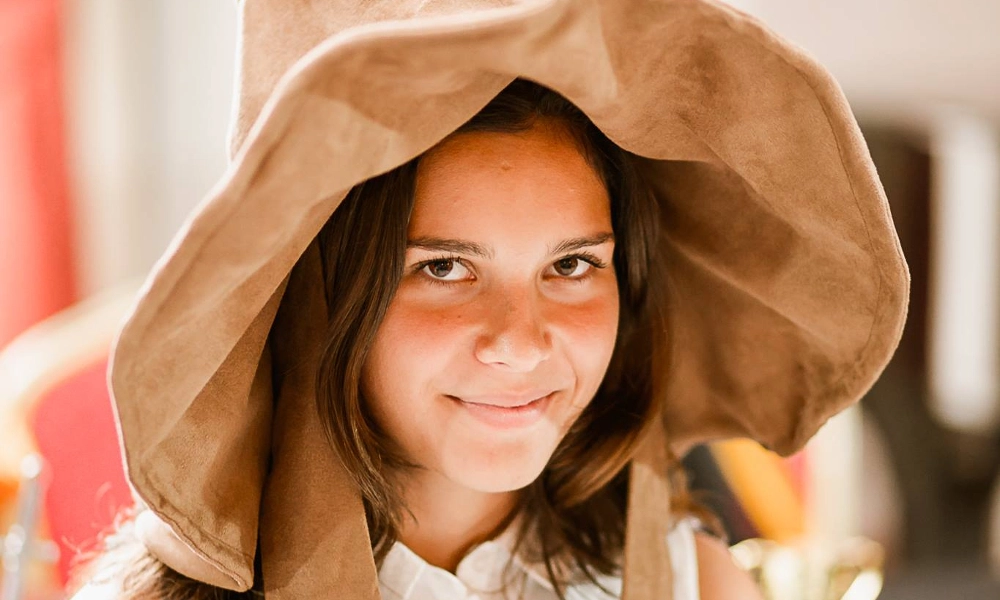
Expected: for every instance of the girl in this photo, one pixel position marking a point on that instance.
(466, 376)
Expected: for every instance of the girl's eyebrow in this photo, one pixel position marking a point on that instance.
(472, 248)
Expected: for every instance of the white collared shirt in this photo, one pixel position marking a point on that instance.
(480, 574)
(406, 576)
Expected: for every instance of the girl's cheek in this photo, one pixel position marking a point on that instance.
(423, 326)
(595, 319)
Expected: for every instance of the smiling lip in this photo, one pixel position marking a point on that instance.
(507, 400)
(506, 412)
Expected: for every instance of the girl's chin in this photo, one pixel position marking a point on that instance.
(499, 487)
(502, 462)
(495, 480)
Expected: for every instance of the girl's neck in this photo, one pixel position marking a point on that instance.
(445, 520)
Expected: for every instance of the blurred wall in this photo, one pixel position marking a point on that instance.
(898, 60)
(149, 86)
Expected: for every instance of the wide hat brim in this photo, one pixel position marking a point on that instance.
(788, 288)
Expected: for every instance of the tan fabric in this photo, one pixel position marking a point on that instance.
(788, 287)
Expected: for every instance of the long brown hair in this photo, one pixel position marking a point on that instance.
(574, 513)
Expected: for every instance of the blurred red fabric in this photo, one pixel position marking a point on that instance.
(74, 427)
(37, 270)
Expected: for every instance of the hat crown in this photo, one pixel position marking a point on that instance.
(267, 51)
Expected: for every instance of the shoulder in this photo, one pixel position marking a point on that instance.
(719, 577)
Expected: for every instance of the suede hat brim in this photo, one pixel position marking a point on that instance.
(788, 288)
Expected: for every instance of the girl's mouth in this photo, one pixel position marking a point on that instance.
(507, 417)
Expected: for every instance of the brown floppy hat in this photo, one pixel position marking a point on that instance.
(789, 287)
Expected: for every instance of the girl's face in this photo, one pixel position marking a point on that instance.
(505, 319)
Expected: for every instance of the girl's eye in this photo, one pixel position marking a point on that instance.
(578, 267)
(571, 267)
(444, 269)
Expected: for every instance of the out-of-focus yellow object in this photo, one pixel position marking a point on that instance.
(761, 483)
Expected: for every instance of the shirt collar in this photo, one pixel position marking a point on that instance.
(402, 568)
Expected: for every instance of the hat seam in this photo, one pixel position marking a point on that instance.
(181, 525)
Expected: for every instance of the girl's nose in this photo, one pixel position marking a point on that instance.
(515, 336)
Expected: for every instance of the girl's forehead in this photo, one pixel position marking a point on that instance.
(546, 143)
(488, 178)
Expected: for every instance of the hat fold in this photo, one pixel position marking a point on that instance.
(314, 535)
(200, 463)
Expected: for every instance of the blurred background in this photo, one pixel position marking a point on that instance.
(113, 123)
